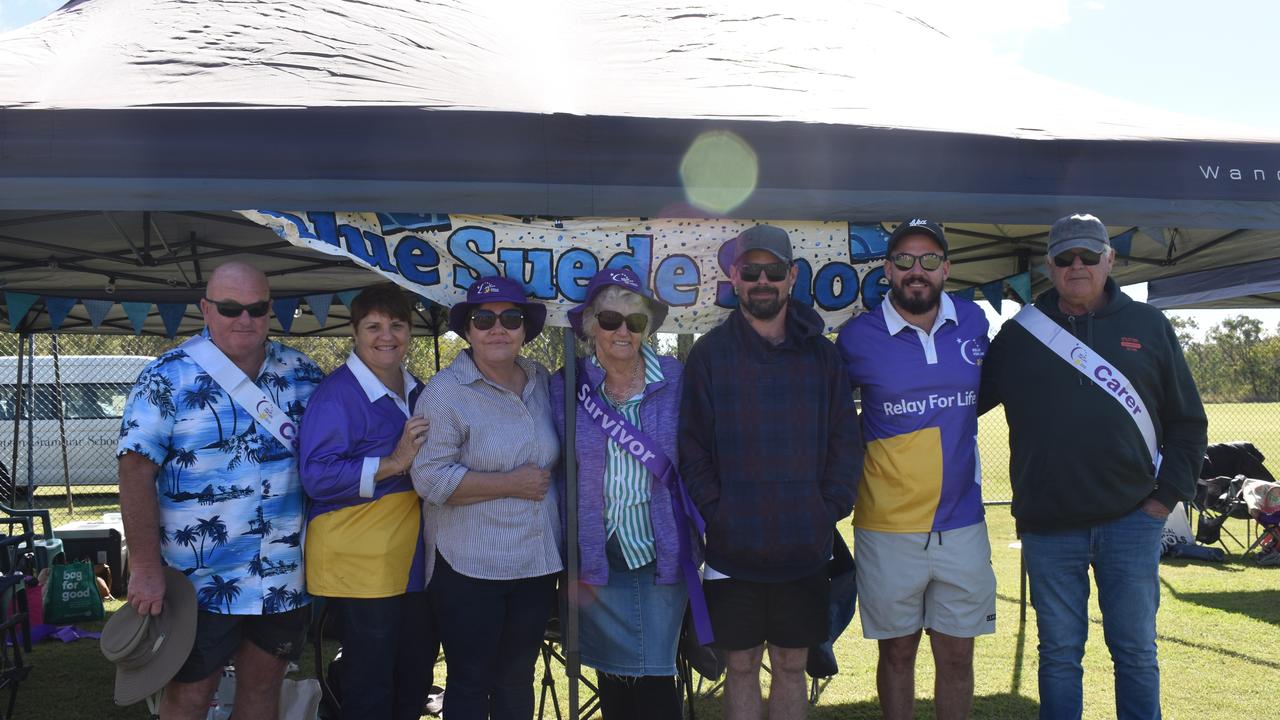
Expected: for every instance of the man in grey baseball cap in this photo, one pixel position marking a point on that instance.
(1082, 231)
(1111, 434)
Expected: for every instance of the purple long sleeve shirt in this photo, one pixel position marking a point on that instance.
(364, 538)
(659, 411)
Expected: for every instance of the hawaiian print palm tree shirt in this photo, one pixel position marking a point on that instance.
(231, 505)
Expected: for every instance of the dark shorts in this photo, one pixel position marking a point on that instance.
(790, 614)
(219, 636)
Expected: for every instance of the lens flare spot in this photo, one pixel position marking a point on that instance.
(719, 171)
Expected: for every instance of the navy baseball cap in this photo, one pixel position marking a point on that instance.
(918, 226)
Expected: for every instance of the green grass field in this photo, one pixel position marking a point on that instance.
(1219, 629)
(1258, 423)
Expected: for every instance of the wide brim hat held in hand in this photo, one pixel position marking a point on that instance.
(148, 650)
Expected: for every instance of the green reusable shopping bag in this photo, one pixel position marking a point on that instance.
(71, 595)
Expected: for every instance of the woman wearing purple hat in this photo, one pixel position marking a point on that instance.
(493, 525)
(632, 553)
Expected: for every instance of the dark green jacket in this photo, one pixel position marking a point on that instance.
(1076, 456)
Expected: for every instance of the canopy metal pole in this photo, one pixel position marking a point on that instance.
(570, 460)
(60, 398)
(18, 404)
(31, 419)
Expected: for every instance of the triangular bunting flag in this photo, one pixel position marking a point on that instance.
(1160, 235)
(993, 292)
(319, 305)
(284, 309)
(968, 293)
(19, 304)
(1123, 243)
(98, 310)
(171, 314)
(346, 296)
(1042, 269)
(137, 312)
(59, 308)
(1021, 285)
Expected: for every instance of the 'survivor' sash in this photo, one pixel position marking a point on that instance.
(242, 390)
(1095, 367)
(650, 454)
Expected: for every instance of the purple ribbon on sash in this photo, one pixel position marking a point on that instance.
(643, 448)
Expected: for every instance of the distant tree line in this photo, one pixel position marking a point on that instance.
(1238, 360)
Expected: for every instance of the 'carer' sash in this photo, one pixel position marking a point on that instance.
(1095, 367)
(242, 390)
(643, 448)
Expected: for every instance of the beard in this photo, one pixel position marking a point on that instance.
(916, 304)
(763, 303)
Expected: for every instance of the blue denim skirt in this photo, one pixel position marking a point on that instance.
(631, 626)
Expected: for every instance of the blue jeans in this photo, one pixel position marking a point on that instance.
(388, 653)
(1125, 556)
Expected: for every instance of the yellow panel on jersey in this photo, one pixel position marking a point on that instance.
(366, 550)
(901, 483)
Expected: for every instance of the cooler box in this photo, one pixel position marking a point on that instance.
(99, 541)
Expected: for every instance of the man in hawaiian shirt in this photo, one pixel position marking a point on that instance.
(207, 489)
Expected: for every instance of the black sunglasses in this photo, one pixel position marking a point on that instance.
(231, 309)
(928, 262)
(511, 319)
(775, 271)
(611, 320)
(1066, 259)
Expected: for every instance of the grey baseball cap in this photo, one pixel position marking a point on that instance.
(1078, 231)
(763, 237)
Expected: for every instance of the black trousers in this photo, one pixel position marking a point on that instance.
(389, 649)
(652, 697)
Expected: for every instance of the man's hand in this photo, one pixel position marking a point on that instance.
(529, 482)
(146, 590)
(411, 439)
(1155, 508)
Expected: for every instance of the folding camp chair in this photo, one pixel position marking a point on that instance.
(15, 634)
(551, 639)
(1218, 500)
(1267, 544)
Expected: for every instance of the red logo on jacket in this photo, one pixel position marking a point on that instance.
(1130, 344)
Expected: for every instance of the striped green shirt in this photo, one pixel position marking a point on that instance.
(627, 482)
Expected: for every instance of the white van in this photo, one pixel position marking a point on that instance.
(94, 390)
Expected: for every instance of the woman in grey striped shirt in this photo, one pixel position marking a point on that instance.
(634, 598)
(492, 523)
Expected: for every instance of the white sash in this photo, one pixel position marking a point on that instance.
(242, 390)
(1095, 367)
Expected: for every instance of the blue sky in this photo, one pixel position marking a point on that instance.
(1213, 60)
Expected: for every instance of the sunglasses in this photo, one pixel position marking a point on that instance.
(230, 309)
(775, 271)
(1067, 259)
(610, 320)
(511, 319)
(928, 262)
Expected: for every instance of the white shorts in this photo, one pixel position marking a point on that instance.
(939, 581)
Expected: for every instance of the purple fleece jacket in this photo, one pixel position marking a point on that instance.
(659, 410)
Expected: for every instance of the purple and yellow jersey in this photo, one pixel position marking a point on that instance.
(919, 391)
(364, 538)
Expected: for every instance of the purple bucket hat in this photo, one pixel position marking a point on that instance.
(498, 289)
(623, 277)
